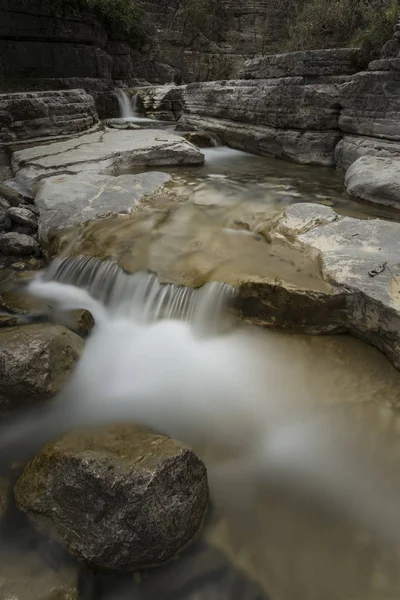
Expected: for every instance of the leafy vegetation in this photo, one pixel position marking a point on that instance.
(121, 18)
(336, 23)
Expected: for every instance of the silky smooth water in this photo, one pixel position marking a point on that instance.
(300, 434)
(304, 487)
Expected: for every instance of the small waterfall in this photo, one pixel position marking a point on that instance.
(125, 106)
(135, 104)
(140, 295)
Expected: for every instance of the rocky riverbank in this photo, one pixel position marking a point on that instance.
(304, 268)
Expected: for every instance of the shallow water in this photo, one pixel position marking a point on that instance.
(263, 539)
(276, 183)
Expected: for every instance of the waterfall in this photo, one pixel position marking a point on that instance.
(140, 295)
(125, 106)
(144, 361)
(135, 103)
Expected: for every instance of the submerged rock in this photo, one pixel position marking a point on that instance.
(35, 362)
(105, 153)
(118, 498)
(26, 577)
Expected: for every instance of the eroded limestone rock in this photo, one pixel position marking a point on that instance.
(118, 498)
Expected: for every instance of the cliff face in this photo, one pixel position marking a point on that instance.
(36, 43)
(39, 50)
(243, 29)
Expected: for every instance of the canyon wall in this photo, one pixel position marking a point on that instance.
(40, 50)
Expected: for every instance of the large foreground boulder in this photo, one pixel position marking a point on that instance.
(118, 498)
(35, 362)
(375, 179)
(106, 153)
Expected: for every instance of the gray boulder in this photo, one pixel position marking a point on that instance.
(118, 498)
(375, 179)
(14, 243)
(35, 362)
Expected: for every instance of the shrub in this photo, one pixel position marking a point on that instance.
(378, 31)
(121, 18)
(336, 23)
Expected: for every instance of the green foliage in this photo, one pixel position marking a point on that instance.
(378, 31)
(121, 18)
(201, 18)
(336, 23)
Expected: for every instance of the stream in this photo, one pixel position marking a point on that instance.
(323, 524)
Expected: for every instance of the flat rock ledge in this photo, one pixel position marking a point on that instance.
(117, 498)
(360, 259)
(105, 152)
(66, 201)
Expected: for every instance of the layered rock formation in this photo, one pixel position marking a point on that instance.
(30, 115)
(41, 50)
(286, 106)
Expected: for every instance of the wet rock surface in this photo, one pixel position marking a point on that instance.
(118, 498)
(35, 362)
(105, 152)
(67, 200)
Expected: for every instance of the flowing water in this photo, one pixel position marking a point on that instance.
(128, 108)
(300, 434)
